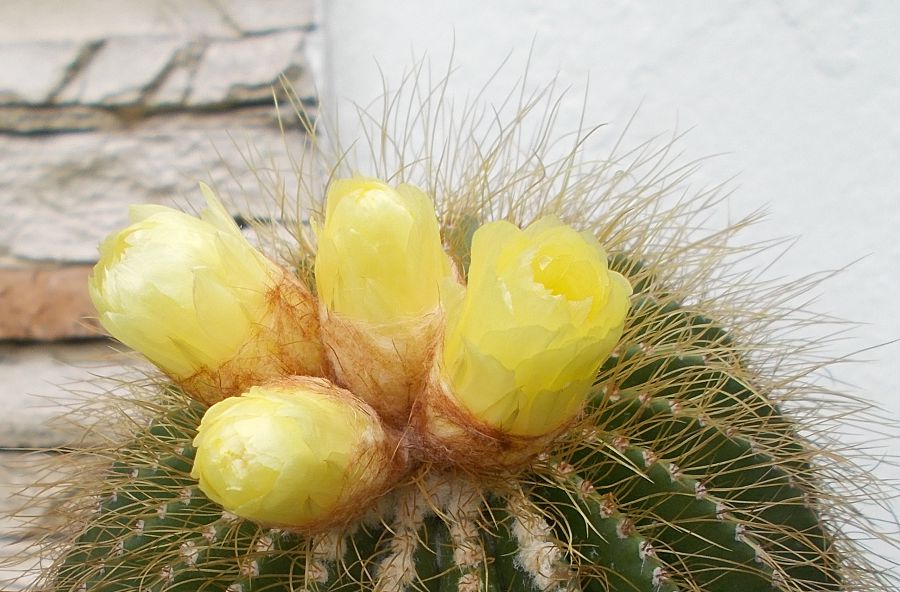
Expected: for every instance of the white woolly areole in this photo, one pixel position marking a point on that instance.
(469, 583)
(398, 569)
(327, 548)
(539, 554)
(464, 509)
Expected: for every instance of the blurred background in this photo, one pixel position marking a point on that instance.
(104, 103)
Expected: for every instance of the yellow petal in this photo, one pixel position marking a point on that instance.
(215, 213)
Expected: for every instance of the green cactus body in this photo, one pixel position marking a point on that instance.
(682, 475)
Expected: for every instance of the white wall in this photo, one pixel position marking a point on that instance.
(802, 96)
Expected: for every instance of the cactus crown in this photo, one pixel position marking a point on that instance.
(699, 463)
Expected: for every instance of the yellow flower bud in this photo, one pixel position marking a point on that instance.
(202, 304)
(380, 258)
(380, 268)
(299, 452)
(540, 314)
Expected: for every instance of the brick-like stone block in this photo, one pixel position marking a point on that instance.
(87, 20)
(268, 15)
(46, 303)
(121, 70)
(153, 72)
(239, 70)
(34, 72)
(41, 383)
(60, 197)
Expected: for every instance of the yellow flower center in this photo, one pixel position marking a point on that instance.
(554, 271)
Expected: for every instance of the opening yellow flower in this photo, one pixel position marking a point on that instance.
(541, 313)
(202, 304)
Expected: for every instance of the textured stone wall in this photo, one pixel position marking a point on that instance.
(92, 118)
(104, 103)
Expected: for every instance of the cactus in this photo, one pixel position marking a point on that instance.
(686, 470)
(682, 475)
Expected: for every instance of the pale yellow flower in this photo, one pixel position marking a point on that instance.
(540, 314)
(380, 269)
(201, 303)
(298, 452)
